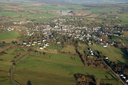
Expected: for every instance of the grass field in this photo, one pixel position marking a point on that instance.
(121, 39)
(58, 69)
(9, 35)
(9, 14)
(102, 10)
(82, 48)
(113, 53)
(125, 34)
(69, 48)
(63, 7)
(5, 81)
(54, 46)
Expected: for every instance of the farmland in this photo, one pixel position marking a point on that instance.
(48, 44)
(39, 69)
(9, 35)
(113, 53)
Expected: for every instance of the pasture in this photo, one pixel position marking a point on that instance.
(57, 69)
(113, 53)
(9, 35)
(69, 48)
(54, 46)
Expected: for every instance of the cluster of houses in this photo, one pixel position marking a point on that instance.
(91, 52)
(9, 29)
(41, 44)
(81, 33)
(84, 33)
(124, 78)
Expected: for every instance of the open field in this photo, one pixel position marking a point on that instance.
(5, 81)
(59, 68)
(125, 34)
(121, 39)
(82, 47)
(57, 63)
(54, 46)
(9, 35)
(102, 10)
(113, 53)
(69, 48)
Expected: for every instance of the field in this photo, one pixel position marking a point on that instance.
(31, 11)
(57, 69)
(82, 47)
(9, 35)
(113, 53)
(54, 46)
(60, 61)
(69, 48)
(125, 34)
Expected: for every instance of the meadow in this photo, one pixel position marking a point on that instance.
(54, 46)
(9, 35)
(69, 48)
(113, 53)
(58, 69)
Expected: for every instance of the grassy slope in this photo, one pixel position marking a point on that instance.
(113, 53)
(9, 35)
(58, 69)
(5, 65)
(54, 46)
(69, 48)
(82, 47)
(125, 34)
(9, 14)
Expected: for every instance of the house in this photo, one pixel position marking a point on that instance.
(58, 42)
(106, 58)
(121, 75)
(39, 43)
(124, 77)
(24, 43)
(28, 45)
(127, 81)
(33, 44)
(43, 40)
(41, 48)
(10, 29)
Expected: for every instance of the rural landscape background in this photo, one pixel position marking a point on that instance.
(63, 42)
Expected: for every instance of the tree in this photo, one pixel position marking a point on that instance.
(29, 82)
(3, 42)
(52, 25)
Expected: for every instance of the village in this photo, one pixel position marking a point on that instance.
(93, 36)
(42, 36)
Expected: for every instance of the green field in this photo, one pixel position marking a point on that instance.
(69, 48)
(113, 53)
(58, 69)
(9, 14)
(125, 34)
(54, 46)
(9, 35)
(63, 7)
(82, 48)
